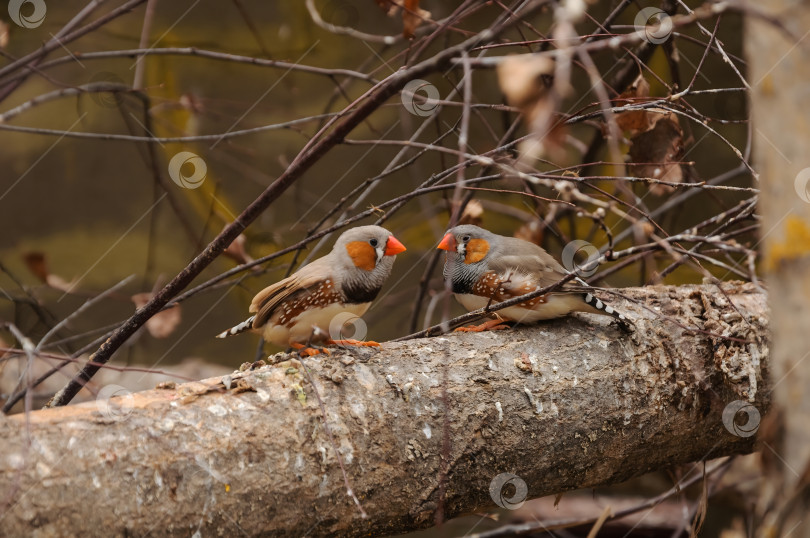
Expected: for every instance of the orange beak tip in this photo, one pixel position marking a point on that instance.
(448, 243)
(394, 247)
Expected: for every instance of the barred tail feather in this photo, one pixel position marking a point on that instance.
(596, 303)
(242, 327)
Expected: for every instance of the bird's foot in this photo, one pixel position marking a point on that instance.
(351, 342)
(491, 325)
(307, 351)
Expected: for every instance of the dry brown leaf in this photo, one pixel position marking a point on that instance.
(532, 232)
(35, 261)
(163, 323)
(659, 150)
(59, 283)
(412, 17)
(38, 265)
(635, 121)
(388, 6)
(236, 250)
(472, 214)
(656, 139)
(526, 81)
(4, 27)
(523, 79)
(412, 14)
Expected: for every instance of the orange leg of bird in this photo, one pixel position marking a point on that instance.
(306, 351)
(491, 325)
(350, 342)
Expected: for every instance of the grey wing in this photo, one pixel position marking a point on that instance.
(528, 259)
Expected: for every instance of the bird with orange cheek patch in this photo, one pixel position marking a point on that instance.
(300, 309)
(484, 267)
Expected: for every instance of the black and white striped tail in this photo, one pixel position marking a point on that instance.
(242, 327)
(598, 304)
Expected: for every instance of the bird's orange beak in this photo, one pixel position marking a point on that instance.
(393, 247)
(448, 243)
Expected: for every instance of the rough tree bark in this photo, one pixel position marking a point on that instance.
(566, 404)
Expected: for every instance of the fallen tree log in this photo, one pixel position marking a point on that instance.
(563, 405)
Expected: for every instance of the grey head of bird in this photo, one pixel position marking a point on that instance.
(362, 258)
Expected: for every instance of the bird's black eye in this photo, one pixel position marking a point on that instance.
(373, 243)
(465, 238)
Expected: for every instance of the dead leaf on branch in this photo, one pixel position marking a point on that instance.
(163, 323)
(656, 153)
(388, 6)
(412, 14)
(634, 121)
(236, 250)
(4, 28)
(37, 263)
(526, 81)
(656, 143)
(532, 231)
(473, 213)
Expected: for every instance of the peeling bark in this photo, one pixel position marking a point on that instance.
(566, 404)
